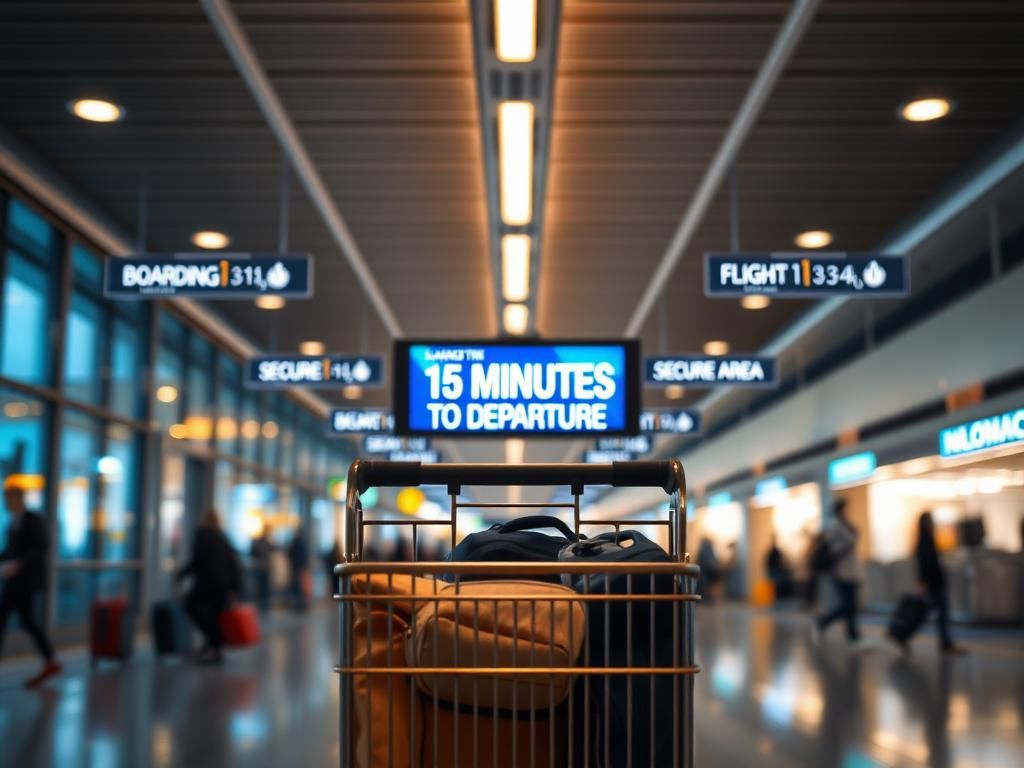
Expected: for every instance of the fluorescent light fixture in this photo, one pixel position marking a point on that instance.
(925, 110)
(166, 393)
(517, 319)
(352, 392)
(515, 267)
(210, 240)
(716, 348)
(515, 30)
(675, 391)
(814, 238)
(515, 161)
(270, 302)
(312, 347)
(96, 110)
(755, 301)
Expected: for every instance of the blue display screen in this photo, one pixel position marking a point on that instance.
(531, 388)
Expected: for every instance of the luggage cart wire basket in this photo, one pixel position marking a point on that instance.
(507, 664)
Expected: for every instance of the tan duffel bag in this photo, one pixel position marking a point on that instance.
(514, 624)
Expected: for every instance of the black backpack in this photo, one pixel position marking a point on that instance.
(608, 699)
(517, 541)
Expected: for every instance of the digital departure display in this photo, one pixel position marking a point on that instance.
(496, 388)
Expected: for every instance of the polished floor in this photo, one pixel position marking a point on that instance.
(766, 697)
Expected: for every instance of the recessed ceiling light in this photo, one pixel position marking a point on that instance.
(515, 30)
(517, 319)
(178, 431)
(755, 301)
(96, 110)
(352, 392)
(675, 391)
(210, 240)
(925, 110)
(716, 348)
(312, 347)
(270, 430)
(814, 238)
(270, 302)
(166, 393)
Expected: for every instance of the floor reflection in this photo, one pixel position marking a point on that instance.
(765, 698)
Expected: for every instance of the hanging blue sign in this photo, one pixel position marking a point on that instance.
(850, 469)
(982, 434)
(208, 276)
(670, 422)
(516, 387)
(701, 371)
(607, 457)
(423, 457)
(800, 275)
(327, 371)
(358, 421)
(390, 443)
(638, 444)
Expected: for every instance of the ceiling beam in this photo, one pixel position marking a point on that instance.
(789, 36)
(234, 39)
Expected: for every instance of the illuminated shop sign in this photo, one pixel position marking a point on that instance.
(990, 432)
(707, 371)
(666, 422)
(357, 421)
(770, 486)
(637, 444)
(390, 443)
(850, 469)
(805, 275)
(221, 276)
(516, 387)
(275, 371)
(606, 457)
(719, 499)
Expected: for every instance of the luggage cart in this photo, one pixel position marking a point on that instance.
(391, 712)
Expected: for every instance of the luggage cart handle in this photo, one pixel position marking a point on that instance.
(667, 475)
(362, 475)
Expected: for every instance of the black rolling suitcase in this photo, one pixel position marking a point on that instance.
(910, 614)
(172, 632)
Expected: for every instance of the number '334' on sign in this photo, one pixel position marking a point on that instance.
(799, 275)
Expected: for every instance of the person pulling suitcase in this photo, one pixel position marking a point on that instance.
(912, 611)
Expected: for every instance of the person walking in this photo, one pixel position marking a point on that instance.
(216, 581)
(260, 552)
(298, 559)
(839, 550)
(23, 568)
(931, 579)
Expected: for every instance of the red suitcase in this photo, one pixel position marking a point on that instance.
(240, 626)
(111, 630)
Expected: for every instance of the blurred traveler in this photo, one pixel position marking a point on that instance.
(332, 557)
(23, 568)
(931, 580)
(216, 582)
(298, 559)
(710, 571)
(836, 555)
(778, 571)
(260, 552)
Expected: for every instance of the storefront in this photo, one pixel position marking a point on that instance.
(786, 518)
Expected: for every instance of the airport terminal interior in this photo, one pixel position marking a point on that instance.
(306, 306)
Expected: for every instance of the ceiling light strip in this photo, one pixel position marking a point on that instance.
(240, 50)
(786, 41)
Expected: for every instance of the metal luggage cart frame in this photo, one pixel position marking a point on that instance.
(667, 475)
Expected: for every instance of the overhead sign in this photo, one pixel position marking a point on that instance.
(493, 388)
(358, 421)
(606, 457)
(850, 469)
(708, 371)
(770, 487)
(208, 276)
(806, 275)
(327, 371)
(636, 444)
(668, 422)
(982, 434)
(389, 443)
(423, 457)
